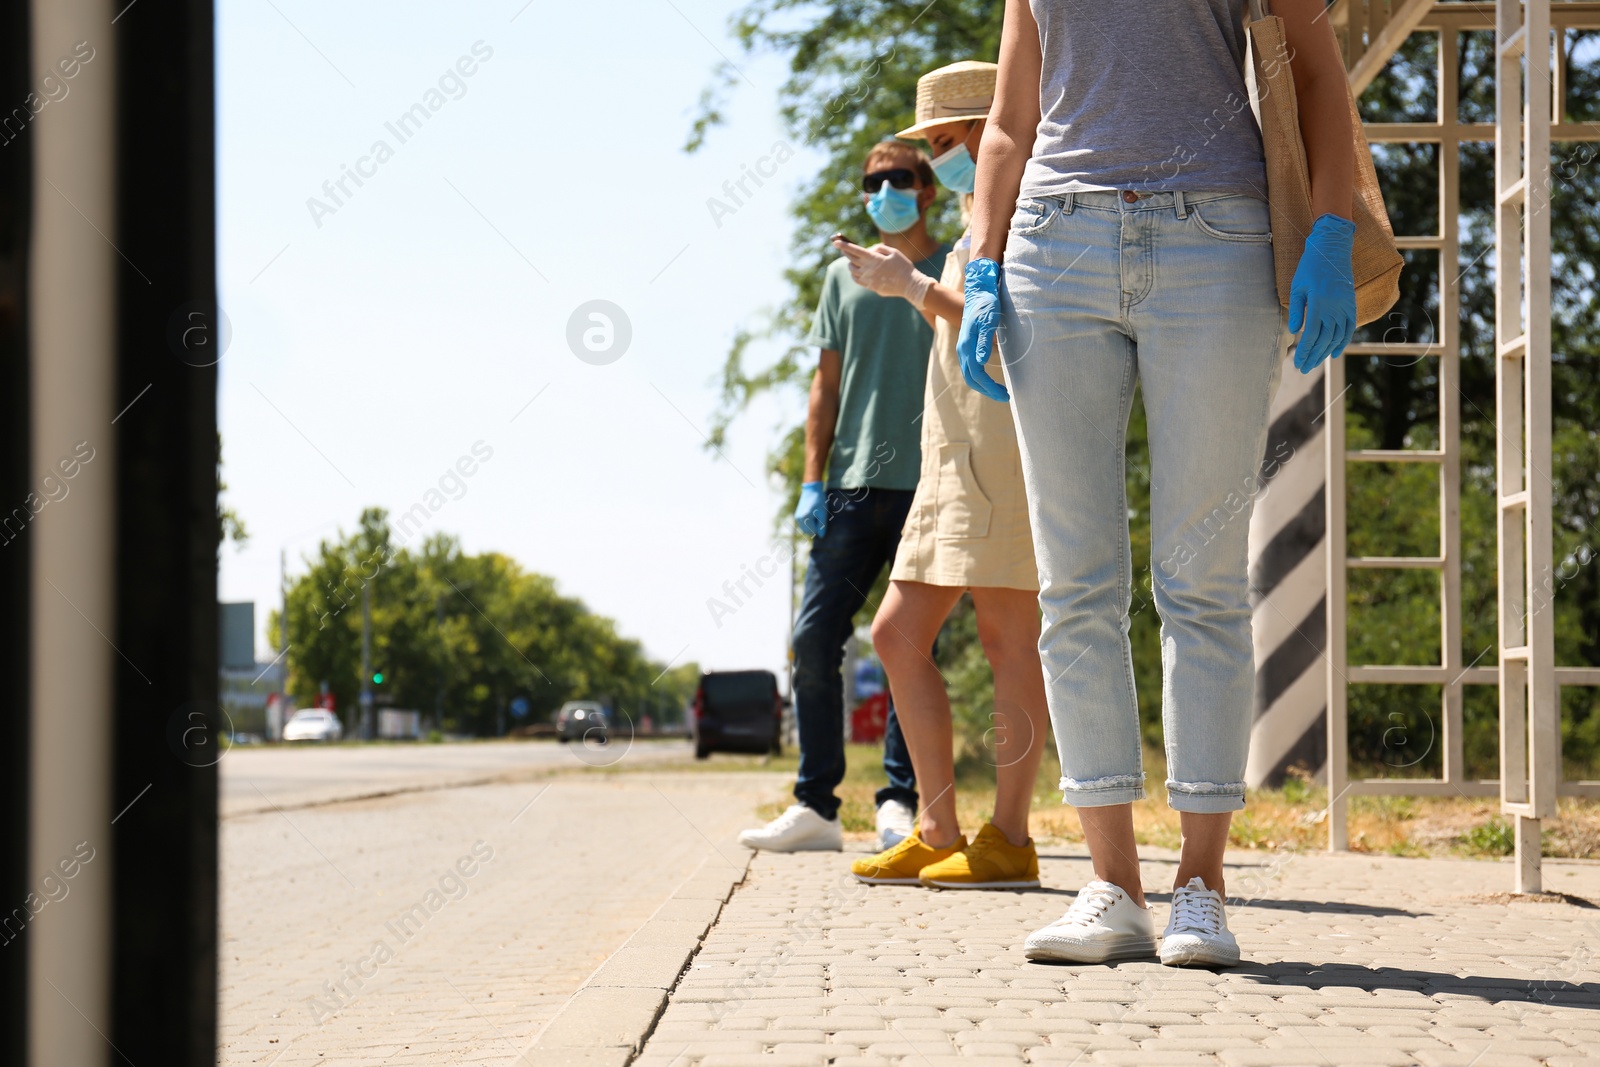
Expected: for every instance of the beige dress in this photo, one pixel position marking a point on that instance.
(968, 524)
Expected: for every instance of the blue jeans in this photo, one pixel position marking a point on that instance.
(1175, 292)
(863, 532)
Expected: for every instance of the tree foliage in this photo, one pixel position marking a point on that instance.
(459, 635)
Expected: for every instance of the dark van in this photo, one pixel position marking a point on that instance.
(737, 711)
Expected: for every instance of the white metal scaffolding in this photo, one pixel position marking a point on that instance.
(1530, 112)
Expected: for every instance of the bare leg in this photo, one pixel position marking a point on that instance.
(1204, 838)
(1109, 833)
(902, 633)
(1008, 627)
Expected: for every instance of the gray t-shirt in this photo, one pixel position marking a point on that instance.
(1147, 95)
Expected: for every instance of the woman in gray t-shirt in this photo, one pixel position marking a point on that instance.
(1123, 151)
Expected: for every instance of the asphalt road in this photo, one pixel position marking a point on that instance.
(264, 778)
(455, 898)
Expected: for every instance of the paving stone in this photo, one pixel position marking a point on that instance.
(1360, 960)
(1260, 1057)
(1484, 1058)
(1153, 1057)
(1207, 1045)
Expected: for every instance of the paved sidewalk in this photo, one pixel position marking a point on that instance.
(1349, 960)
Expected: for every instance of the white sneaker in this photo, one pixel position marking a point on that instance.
(1198, 934)
(896, 821)
(798, 829)
(1103, 924)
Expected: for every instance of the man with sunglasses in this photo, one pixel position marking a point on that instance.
(862, 460)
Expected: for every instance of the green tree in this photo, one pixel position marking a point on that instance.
(461, 636)
(230, 524)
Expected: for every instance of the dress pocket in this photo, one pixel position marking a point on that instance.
(961, 510)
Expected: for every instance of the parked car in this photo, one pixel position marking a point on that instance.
(737, 711)
(313, 724)
(583, 720)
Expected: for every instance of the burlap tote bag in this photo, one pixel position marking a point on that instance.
(1376, 260)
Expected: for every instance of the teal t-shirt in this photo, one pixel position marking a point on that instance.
(883, 344)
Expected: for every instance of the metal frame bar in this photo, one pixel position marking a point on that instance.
(1387, 34)
(1370, 31)
(1388, 31)
(1530, 710)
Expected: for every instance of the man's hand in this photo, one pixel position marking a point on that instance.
(886, 271)
(979, 321)
(811, 514)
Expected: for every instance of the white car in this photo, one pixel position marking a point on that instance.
(313, 724)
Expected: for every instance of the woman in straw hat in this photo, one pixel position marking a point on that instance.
(1122, 150)
(967, 531)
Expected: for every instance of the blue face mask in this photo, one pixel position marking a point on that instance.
(957, 170)
(893, 210)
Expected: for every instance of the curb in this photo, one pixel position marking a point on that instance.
(606, 1022)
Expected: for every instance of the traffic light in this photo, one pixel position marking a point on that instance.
(377, 677)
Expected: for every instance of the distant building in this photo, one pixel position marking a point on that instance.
(245, 684)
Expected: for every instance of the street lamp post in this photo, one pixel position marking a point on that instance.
(366, 664)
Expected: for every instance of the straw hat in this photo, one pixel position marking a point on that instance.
(960, 92)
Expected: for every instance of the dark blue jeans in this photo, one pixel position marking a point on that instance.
(863, 532)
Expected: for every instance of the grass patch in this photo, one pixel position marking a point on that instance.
(1291, 818)
(1493, 838)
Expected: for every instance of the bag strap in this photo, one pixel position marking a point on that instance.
(1258, 10)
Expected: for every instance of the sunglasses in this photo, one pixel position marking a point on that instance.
(899, 177)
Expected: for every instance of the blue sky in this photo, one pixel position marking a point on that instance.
(376, 343)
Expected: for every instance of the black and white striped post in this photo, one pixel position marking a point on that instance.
(1288, 586)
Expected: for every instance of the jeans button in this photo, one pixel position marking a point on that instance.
(1129, 196)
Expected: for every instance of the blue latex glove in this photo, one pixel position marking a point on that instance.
(1323, 296)
(811, 514)
(980, 318)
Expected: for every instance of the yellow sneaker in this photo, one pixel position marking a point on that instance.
(900, 865)
(990, 862)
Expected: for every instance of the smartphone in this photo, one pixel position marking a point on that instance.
(842, 237)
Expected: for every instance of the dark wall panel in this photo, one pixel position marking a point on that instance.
(165, 907)
(16, 205)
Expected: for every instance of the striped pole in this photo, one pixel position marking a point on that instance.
(1288, 589)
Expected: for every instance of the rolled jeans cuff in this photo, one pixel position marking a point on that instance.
(1205, 798)
(1103, 792)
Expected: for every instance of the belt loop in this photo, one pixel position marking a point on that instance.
(1068, 201)
(1183, 209)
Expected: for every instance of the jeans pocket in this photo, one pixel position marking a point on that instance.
(1233, 218)
(1031, 216)
(961, 510)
